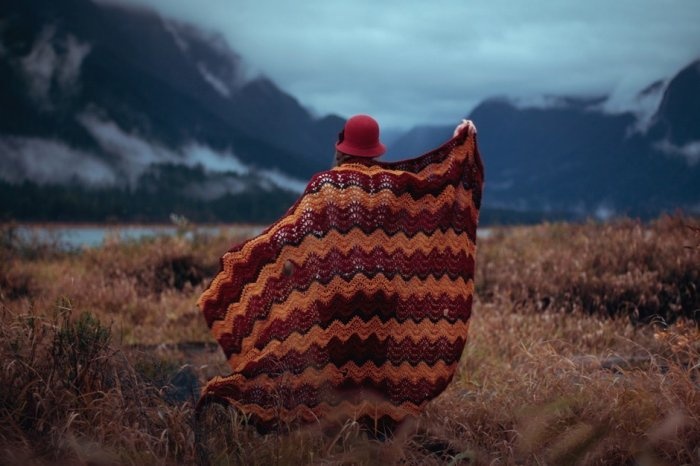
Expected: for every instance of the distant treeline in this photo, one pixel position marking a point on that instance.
(29, 201)
(33, 202)
(154, 199)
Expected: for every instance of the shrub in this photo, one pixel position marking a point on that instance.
(644, 272)
(66, 394)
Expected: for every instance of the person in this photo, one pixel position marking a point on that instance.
(359, 138)
(356, 303)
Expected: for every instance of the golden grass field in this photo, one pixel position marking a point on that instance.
(584, 348)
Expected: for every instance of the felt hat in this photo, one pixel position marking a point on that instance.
(360, 137)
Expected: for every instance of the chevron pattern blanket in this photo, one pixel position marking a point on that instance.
(356, 303)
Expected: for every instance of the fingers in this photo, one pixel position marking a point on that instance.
(460, 127)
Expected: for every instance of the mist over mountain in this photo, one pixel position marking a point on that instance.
(109, 112)
(572, 155)
(678, 117)
(102, 95)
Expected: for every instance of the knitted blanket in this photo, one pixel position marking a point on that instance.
(356, 303)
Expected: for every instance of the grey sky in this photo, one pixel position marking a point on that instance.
(419, 62)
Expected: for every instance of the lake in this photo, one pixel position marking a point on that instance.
(79, 236)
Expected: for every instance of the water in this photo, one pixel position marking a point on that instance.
(80, 236)
(484, 233)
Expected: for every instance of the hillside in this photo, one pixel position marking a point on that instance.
(103, 97)
(110, 113)
(574, 157)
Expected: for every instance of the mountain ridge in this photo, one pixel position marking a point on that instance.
(575, 157)
(136, 106)
(151, 77)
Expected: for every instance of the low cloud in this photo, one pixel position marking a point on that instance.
(47, 161)
(126, 157)
(218, 85)
(132, 155)
(222, 162)
(431, 63)
(604, 212)
(53, 63)
(39, 66)
(71, 61)
(217, 63)
(173, 29)
(217, 186)
(690, 152)
(283, 181)
(642, 103)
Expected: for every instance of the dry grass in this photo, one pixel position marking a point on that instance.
(562, 366)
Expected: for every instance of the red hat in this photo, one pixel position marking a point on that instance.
(360, 137)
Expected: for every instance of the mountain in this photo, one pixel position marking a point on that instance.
(573, 159)
(678, 117)
(104, 95)
(116, 113)
(417, 141)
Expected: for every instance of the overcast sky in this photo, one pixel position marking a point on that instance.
(421, 62)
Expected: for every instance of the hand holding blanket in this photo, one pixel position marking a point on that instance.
(356, 303)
